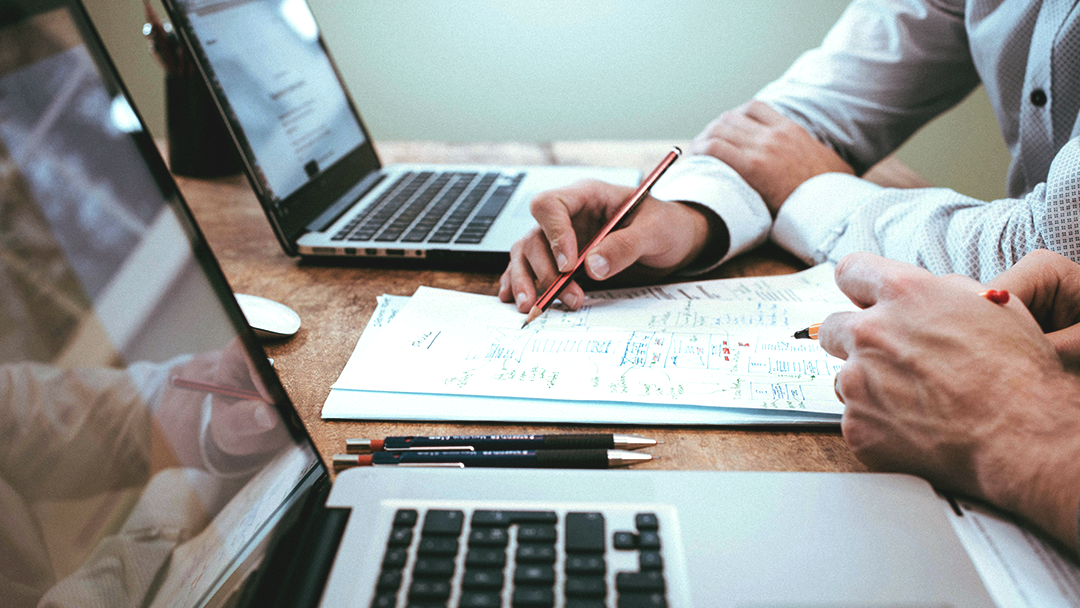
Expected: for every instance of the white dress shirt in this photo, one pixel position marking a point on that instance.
(884, 70)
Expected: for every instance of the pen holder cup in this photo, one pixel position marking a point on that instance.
(199, 143)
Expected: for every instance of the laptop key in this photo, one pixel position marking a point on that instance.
(505, 518)
(429, 589)
(648, 540)
(485, 558)
(535, 553)
(443, 523)
(395, 557)
(578, 602)
(624, 540)
(400, 537)
(482, 578)
(384, 600)
(646, 521)
(488, 537)
(650, 560)
(438, 546)
(533, 597)
(584, 533)
(586, 586)
(473, 599)
(641, 600)
(389, 580)
(639, 581)
(434, 567)
(405, 518)
(534, 574)
(534, 533)
(585, 564)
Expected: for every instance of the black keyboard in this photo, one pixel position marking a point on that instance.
(514, 558)
(432, 207)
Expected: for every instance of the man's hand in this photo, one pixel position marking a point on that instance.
(1049, 285)
(238, 427)
(773, 154)
(657, 238)
(941, 383)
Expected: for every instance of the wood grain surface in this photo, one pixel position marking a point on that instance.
(335, 302)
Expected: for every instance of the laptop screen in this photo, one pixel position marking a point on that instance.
(146, 447)
(268, 61)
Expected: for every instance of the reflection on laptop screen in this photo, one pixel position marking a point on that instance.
(124, 479)
(280, 85)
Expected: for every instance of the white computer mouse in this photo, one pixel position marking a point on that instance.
(271, 320)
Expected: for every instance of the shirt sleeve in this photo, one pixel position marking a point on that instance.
(711, 183)
(835, 214)
(884, 69)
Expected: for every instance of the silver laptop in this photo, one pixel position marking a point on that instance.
(311, 161)
(151, 457)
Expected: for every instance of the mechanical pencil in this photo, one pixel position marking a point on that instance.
(564, 459)
(583, 441)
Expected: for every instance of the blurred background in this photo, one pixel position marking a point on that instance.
(541, 70)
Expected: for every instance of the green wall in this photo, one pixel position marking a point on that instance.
(530, 70)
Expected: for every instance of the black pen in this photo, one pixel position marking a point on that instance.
(583, 441)
(556, 459)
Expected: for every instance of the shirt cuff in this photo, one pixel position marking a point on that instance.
(815, 215)
(708, 182)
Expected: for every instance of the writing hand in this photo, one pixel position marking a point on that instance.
(1049, 285)
(773, 154)
(238, 427)
(941, 383)
(658, 238)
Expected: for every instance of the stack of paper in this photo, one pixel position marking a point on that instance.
(710, 352)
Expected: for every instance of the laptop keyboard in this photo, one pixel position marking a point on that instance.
(432, 207)
(447, 558)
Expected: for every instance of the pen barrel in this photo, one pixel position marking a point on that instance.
(578, 442)
(567, 459)
(572, 459)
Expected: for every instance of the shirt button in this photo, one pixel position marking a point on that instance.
(1038, 98)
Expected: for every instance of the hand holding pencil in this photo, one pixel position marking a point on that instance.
(658, 238)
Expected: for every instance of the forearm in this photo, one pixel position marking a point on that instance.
(883, 71)
(939, 229)
(738, 219)
(74, 432)
(1035, 470)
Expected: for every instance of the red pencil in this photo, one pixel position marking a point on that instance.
(217, 389)
(635, 197)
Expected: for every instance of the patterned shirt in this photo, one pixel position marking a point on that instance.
(884, 70)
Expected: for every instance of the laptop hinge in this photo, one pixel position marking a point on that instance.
(345, 202)
(298, 564)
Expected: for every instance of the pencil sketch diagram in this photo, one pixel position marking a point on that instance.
(683, 354)
(724, 344)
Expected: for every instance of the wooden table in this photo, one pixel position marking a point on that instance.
(335, 302)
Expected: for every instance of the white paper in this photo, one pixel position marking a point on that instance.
(1019, 568)
(704, 353)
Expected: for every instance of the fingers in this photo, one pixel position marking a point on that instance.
(244, 427)
(531, 264)
(1067, 344)
(660, 235)
(1048, 284)
(835, 334)
(865, 278)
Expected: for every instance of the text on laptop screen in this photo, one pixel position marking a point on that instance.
(280, 84)
(124, 480)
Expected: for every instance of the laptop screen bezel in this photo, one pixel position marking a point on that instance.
(17, 11)
(319, 193)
